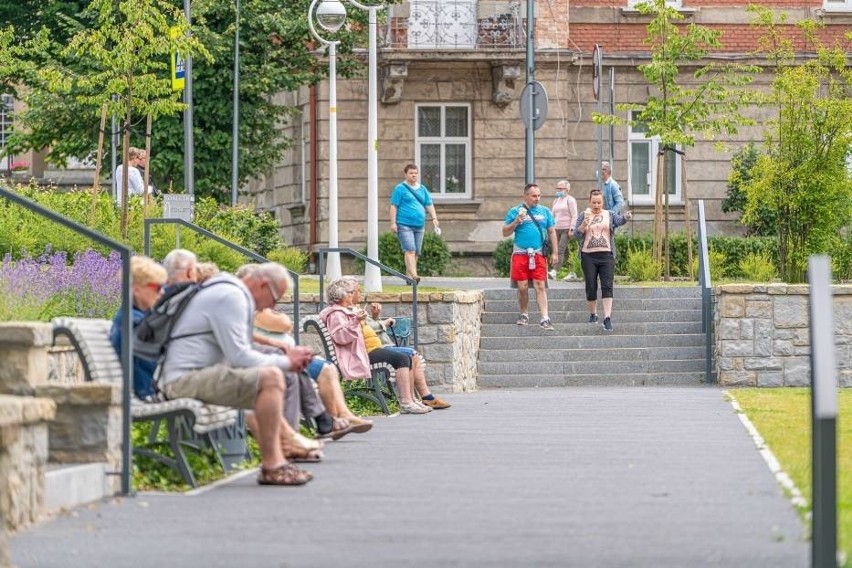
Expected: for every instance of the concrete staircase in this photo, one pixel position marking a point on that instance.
(656, 340)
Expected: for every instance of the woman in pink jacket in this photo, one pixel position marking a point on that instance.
(344, 322)
(564, 211)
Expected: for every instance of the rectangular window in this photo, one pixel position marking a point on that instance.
(443, 149)
(673, 3)
(837, 5)
(6, 109)
(642, 168)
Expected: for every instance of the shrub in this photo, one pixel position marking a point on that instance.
(718, 262)
(434, 256)
(641, 266)
(291, 257)
(758, 267)
(503, 257)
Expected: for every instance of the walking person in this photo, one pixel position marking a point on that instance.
(596, 230)
(564, 211)
(533, 227)
(613, 199)
(410, 202)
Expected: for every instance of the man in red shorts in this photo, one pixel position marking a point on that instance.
(532, 225)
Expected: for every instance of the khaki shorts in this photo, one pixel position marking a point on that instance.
(219, 384)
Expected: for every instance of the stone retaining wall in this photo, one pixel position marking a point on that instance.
(763, 339)
(449, 326)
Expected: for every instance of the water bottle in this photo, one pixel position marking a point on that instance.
(531, 256)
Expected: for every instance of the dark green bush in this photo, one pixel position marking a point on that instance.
(503, 257)
(433, 261)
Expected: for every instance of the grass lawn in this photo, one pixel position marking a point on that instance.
(782, 416)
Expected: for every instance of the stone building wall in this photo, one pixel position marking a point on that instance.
(763, 339)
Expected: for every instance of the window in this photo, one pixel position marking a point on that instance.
(6, 108)
(673, 3)
(642, 165)
(442, 149)
(837, 5)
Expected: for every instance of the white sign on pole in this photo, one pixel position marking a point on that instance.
(178, 206)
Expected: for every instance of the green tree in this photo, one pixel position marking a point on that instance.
(803, 175)
(276, 55)
(763, 222)
(678, 111)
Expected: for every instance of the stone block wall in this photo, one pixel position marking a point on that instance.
(763, 339)
(449, 328)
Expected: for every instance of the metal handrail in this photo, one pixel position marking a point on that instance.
(126, 324)
(233, 246)
(323, 251)
(706, 285)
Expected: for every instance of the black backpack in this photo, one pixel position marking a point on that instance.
(154, 332)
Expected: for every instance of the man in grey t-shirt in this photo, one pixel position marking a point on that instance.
(212, 359)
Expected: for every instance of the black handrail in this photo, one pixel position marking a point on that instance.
(706, 294)
(322, 252)
(126, 325)
(233, 246)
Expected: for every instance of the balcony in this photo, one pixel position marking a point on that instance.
(449, 25)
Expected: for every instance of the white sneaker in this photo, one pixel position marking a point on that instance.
(570, 276)
(421, 405)
(412, 408)
(552, 274)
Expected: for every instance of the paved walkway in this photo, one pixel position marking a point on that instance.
(587, 477)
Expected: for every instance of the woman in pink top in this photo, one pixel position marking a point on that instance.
(564, 211)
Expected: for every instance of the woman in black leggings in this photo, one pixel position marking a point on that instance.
(596, 229)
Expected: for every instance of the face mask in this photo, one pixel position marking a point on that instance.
(560, 194)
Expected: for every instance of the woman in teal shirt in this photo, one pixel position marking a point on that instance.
(410, 201)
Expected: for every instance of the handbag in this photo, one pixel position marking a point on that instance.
(546, 248)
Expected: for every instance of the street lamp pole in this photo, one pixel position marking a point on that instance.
(188, 139)
(330, 15)
(235, 143)
(372, 273)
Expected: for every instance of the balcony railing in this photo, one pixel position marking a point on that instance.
(455, 25)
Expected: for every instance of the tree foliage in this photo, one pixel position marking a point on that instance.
(762, 223)
(803, 175)
(276, 55)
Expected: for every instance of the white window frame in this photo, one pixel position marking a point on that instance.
(440, 191)
(653, 148)
(7, 107)
(676, 4)
(837, 5)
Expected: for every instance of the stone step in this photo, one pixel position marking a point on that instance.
(577, 304)
(571, 290)
(70, 485)
(623, 316)
(603, 367)
(666, 353)
(563, 330)
(533, 341)
(521, 380)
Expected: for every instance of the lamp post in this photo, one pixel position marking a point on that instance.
(235, 144)
(330, 15)
(372, 273)
(188, 138)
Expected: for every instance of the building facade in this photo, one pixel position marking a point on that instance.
(451, 76)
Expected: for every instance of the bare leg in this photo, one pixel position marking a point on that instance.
(331, 393)
(418, 372)
(410, 263)
(607, 306)
(541, 297)
(523, 295)
(403, 385)
(285, 431)
(593, 306)
(268, 407)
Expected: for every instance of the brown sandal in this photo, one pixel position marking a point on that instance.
(301, 455)
(287, 474)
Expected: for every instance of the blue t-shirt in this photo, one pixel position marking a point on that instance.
(527, 234)
(143, 370)
(411, 210)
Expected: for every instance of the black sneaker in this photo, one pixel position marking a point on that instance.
(607, 325)
(593, 318)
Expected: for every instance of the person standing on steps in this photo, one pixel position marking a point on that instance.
(564, 211)
(533, 226)
(596, 229)
(409, 204)
(613, 199)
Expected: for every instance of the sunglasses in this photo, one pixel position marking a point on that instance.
(273, 291)
(154, 286)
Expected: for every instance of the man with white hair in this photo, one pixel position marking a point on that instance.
(211, 358)
(180, 267)
(613, 199)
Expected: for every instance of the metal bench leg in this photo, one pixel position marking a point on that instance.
(377, 389)
(180, 458)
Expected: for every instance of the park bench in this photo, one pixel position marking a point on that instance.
(377, 388)
(188, 422)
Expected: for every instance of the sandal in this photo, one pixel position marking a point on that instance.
(287, 474)
(360, 425)
(302, 455)
(306, 443)
(340, 428)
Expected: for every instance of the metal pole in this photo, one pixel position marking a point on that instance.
(372, 273)
(599, 65)
(824, 415)
(530, 133)
(235, 135)
(114, 150)
(188, 143)
(333, 269)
